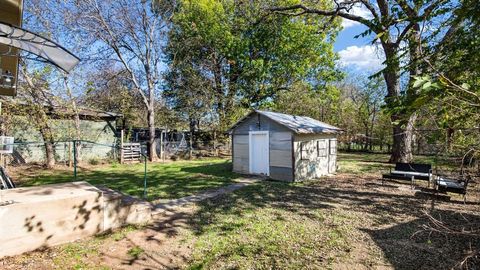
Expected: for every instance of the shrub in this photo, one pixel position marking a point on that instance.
(93, 161)
(135, 252)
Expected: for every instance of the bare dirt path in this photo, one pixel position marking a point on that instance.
(162, 205)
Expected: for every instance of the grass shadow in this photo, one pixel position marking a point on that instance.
(296, 225)
(412, 245)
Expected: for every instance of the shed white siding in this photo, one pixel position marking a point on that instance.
(280, 147)
(311, 164)
(285, 156)
(240, 153)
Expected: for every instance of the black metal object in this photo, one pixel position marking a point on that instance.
(5, 180)
(445, 185)
(411, 172)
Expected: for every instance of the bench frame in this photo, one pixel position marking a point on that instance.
(463, 191)
(404, 172)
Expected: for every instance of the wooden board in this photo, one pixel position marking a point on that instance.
(131, 152)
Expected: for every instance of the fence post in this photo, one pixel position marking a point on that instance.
(145, 177)
(190, 152)
(75, 160)
(121, 147)
(70, 163)
(161, 145)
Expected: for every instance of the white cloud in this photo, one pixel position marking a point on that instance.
(358, 10)
(348, 23)
(364, 57)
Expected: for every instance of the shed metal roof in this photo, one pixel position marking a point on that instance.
(297, 124)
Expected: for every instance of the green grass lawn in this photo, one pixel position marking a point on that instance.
(374, 163)
(348, 221)
(164, 180)
(271, 226)
(182, 178)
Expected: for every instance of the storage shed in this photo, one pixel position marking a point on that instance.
(283, 147)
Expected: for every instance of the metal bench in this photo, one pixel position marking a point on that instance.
(444, 185)
(411, 172)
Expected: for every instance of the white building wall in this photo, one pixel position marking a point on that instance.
(315, 155)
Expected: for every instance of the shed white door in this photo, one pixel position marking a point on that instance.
(259, 152)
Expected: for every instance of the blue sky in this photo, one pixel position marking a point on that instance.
(346, 37)
(357, 54)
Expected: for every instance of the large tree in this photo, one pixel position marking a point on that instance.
(126, 34)
(396, 25)
(110, 90)
(449, 88)
(35, 91)
(242, 58)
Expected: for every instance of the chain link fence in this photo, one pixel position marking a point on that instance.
(119, 167)
(38, 163)
(184, 149)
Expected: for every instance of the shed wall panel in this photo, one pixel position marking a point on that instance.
(281, 136)
(281, 158)
(281, 173)
(240, 151)
(240, 165)
(240, 154)
(239, 139)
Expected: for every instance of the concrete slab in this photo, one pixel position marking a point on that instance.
(33, 218)
(38, 194)
(120, 209)
(38, 217)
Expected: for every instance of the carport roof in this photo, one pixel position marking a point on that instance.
(297, 124)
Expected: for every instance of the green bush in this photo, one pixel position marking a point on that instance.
(93, 161)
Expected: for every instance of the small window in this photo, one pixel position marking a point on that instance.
(308, 150)
(333, 147)
(304, 151)
(321, 148)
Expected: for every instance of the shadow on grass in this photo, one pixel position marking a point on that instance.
(230, 218)
(412, 245)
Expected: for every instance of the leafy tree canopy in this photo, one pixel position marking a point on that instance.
(245, 57)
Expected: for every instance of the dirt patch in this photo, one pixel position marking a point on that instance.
(160, 245)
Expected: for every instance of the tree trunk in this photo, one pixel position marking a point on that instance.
(217, 74)
(50, 154)
(402, 139)
(76, 118)
(402, 123)
(47, 137)
(151, 128)
(367, 138)
(229, 97)
(449, 140)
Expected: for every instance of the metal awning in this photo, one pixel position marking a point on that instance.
(42, 47)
